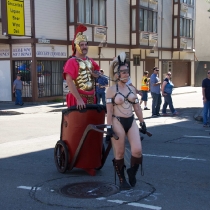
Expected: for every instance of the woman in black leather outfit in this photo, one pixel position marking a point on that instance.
(121, 99)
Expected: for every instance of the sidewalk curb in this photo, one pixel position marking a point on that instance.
(184, 93)
(177, 93)
(49, 108)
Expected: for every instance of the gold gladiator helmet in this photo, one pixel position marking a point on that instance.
(79, 37)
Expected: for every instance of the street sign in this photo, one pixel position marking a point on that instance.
(13, 17)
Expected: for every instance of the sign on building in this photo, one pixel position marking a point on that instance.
(13, 17)
(21, 52)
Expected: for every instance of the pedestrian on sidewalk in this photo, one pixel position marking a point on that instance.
(206, 100)
(145, 89)
(101, 84)
(167, 88)
(17, 89)
(155, 92)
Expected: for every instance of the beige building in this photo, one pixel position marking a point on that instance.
(151, 32)
(202, 45)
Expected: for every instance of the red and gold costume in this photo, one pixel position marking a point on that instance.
(80, 71)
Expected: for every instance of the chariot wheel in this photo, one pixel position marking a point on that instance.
(102, 154)
(61, 156)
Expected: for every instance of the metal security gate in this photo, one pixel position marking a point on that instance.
(49, 77)
(24, 68)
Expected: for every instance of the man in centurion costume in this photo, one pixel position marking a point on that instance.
(121, 99)
(79, 72)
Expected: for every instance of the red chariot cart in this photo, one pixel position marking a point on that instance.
(81, 139)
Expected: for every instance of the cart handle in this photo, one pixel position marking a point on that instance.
(97, 128)
(147, 132)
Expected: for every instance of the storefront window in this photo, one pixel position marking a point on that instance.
(49, 77)
(23, 67)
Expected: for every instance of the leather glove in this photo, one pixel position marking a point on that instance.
(143, 128)
(110, 131)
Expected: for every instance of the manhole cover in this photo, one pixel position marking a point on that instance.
(89, 190)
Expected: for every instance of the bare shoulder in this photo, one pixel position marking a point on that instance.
(133, 89)
(111, 91)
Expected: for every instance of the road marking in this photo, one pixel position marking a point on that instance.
(101, 198)
(145, 206)
(29, 188)
(136, 204)
(117, 201)
(174, 157)
(204, 137)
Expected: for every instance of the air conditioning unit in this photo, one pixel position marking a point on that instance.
(153, 2)
(100, 31)
(184, 7)
(183, 43)
(153, 38)
(144, 36)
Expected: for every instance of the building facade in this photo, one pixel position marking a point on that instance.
(151, 32)
(202, 46)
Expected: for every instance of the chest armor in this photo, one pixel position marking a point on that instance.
(84, 80)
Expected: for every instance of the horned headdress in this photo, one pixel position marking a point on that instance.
(114, 67)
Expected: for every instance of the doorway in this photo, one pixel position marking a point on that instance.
(149, 65)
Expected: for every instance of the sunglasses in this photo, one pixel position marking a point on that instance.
(156, 70)
(169, 74)
(208, 73)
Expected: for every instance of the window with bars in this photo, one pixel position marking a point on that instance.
(49, 77)
(148, 20)
(91, 11)
(23, 67)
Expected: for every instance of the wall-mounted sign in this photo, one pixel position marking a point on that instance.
(18, 52)
(100, 31)
(51, 51)
(13, 18)
(4, 52)
(44, 41)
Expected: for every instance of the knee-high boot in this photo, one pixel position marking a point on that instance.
(135, 162)
(119, 169)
